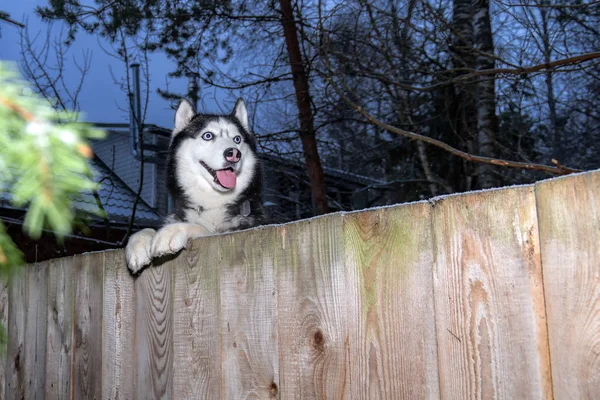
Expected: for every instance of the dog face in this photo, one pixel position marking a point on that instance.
(212, 152)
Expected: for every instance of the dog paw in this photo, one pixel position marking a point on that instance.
(174, 237)
(137, 252)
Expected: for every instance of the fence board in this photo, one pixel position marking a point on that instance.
(196, 343)
(59, 314)
(491, 329)
(3, 326)
(443, 299)
(87, 326)
(569, 215)
(35, 331)
(250, 364)
(17, 315)
(312, 301)
(393, 341)
(118, 329)
(154, 333)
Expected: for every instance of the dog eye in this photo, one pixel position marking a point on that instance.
(207, 136)
(237, 139)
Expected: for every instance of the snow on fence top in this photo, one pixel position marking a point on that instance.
(481, 295)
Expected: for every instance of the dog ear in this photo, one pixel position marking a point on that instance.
(241, 113)
(184, 114)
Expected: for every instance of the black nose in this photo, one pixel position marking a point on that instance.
(232, 155)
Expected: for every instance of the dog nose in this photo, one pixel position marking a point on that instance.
(232, 155)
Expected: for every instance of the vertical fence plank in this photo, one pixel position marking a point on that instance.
(392, 341)
(88, 271)
(154, 333)
(250, 364)
(569, 215)
(17, 315)
(118, 329)
(335, 307)
(312, 300)
(59, 315)
(4, 327)
(196, 344)
(491, 327)
(35, 330)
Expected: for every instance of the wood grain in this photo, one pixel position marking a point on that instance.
(569, 215)
(35, 330)
(489, 304)
(17, 315)
(392, 335)
(196, 344)
(59, 317)
(118, 329)
(313, 300)
(87, 326)
(4, 327)
(154, 333)
(441, 299)
(248, 319)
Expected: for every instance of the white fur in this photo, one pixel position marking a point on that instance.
(241, 113)
(174, 237)
(199, 187)
(214, 219)
(202, 190)
(137, 251)
(185, 112)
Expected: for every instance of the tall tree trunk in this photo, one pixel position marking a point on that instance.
(307, 127)
(462, 105)
(487, 121)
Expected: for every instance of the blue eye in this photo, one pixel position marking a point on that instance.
(237, 139)
(207, 136)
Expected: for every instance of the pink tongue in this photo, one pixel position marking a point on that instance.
(226, 178)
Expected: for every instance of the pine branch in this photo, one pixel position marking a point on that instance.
(4, 16)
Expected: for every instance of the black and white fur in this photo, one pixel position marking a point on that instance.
(204, 148)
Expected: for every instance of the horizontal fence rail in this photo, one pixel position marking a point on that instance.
(492, 294)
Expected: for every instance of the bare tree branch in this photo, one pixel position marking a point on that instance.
(558, 169)
(558, 6)
(54, 87)
(474, 74)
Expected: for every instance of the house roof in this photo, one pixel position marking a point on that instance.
(116, 197)
(334, 174)
(337, 174)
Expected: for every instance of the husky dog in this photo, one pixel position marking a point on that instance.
(215, 178)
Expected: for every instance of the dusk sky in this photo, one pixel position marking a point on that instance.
(101, 99)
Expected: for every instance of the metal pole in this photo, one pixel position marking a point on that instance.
(135, 107)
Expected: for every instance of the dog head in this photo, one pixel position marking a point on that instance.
(211, 153)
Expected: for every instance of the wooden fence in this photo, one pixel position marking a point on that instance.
(491, 294)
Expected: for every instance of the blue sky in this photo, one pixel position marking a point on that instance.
(101, 99)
